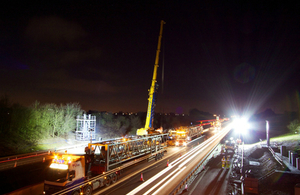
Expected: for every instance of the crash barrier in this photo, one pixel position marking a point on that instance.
(44, 152)
(189, 179)
(277, 158)
(283, 151)
(21, 156)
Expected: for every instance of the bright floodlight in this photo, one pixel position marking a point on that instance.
(241, 125)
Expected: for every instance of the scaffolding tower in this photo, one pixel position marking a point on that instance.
(86, 128)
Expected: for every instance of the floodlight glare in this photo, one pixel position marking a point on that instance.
(241, 125)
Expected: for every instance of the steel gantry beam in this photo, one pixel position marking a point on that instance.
(113, 153)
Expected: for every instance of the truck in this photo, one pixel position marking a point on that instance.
(216, 124)
(230, 145)
(101, 165)
(182, 135)
(149, 129)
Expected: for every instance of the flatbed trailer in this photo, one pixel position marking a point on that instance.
(101, 165)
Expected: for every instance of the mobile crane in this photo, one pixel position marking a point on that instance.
(148, 129)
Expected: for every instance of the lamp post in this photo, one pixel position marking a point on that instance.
(267, 133)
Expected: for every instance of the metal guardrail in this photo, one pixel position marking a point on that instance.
(192, 175)
(22, 156)
(277, 158)
(44, 152)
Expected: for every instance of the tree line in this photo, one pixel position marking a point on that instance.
(22, 128)
(111, 125)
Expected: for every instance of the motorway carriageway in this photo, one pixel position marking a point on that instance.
(160, 178)
(181, 161)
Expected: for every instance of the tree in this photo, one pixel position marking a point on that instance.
(294, 126)
(135, 124)
(53, 120)
(122, 124)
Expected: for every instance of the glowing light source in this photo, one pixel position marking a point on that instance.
(241, 125)
(59, 166)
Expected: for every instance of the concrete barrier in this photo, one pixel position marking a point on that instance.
(283, 151)
(294, 156)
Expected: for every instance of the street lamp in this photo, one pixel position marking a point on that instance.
(241, 126)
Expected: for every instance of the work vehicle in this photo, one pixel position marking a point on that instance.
(183, 134)
(230, 145)
(215, 124)
(149, 129)
(101, 165)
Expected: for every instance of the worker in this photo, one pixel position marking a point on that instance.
(228, 162)
(223, 162)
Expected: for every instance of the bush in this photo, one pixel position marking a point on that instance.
(294, 126)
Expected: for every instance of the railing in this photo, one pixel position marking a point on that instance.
(192, 175)
(277, 158)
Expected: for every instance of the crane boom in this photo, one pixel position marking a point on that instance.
(152, 91)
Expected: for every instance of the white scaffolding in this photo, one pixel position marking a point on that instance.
(86, 127)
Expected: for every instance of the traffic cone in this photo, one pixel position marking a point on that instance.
(15, 164)
(167, 162)
(44, 159)
(142, 178)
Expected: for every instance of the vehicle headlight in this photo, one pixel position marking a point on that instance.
(184, 143)
(176, 143)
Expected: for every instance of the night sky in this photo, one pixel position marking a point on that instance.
(217, 56)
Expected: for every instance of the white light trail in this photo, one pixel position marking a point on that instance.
(161, 181)
(170, 180)
(137, 189)
(187, 156)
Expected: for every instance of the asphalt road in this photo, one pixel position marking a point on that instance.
(30, 174)
(152, 170)
(213, 180)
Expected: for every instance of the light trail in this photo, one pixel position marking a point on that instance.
(191, 151)
(159, 189)
(186, 158)
(161, 181)
(202, 145)
(140, 187)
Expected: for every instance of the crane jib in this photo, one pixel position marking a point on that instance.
(153, 88)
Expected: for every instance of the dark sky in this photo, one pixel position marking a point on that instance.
(218, 56)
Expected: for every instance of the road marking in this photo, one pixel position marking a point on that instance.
(161, 181)
(198, 181)
(170, 180)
